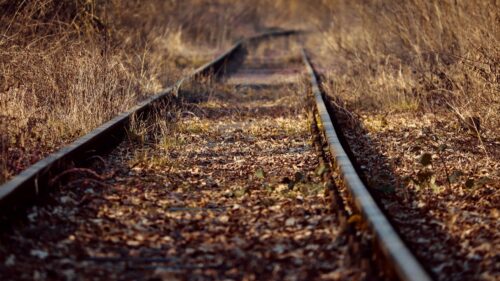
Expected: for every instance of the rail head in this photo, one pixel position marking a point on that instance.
(406, 265)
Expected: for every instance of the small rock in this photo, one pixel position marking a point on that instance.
(10, 261)
(39, 254)
(69, 274)
(279, 249)
(66, 200)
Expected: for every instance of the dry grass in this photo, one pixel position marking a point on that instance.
(68, 66)
(65, 71)
(414, 56)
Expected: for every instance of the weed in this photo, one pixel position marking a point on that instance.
(413, 56)
(172, 142)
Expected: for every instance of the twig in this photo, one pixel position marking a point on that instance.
(96, 182)
(177, 266)
(131, 259)
(84, 171)
(473, 125)
(194, 209)
(182, 267)
(445, 169)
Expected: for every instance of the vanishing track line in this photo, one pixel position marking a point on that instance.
(237, 186)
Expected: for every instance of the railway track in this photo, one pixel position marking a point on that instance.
(236, 186)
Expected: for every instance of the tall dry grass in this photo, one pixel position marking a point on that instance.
(64, 71)
(68, 66)
(415, 55)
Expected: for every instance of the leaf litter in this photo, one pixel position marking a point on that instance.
(445, 190)
(241, 198)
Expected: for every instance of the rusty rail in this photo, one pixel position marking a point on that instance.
(405, 264)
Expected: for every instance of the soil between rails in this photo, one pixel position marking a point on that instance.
(232, 190)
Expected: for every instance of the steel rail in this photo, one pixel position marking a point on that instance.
(406, 265)
(23, 190)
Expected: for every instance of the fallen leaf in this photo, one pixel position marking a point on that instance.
(469, 183)
(290, 222)
(426, 159)
(321, 169)
(223, 219)
(354, 219)
(260, 174)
